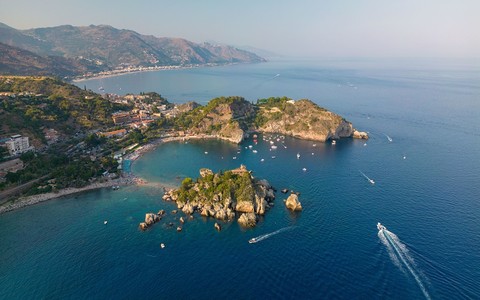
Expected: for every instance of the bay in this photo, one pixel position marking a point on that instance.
(426, 192)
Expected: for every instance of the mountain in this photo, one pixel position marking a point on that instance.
(16, 61)
(106, 48)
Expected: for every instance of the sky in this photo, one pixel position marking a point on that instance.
(301, 28)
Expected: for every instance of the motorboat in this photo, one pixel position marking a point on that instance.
(162, 245)
(371, 181)
(105, 222)
(380, 226)
(252, 240)
(298, 155)
(334, 142)
(304, 169)
(254, 151)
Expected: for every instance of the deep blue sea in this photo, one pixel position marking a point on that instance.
(426, 192)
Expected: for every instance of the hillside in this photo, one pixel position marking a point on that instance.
(303, 119)
(16, 61)
(104, 48)
(33, 103)
(231, 118)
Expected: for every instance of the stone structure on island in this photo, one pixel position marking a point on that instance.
(224, 196)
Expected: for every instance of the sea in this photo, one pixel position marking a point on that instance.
(423, 157)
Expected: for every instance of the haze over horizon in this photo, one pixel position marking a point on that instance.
(303, 28)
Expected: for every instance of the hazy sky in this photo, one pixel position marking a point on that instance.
(323, 28)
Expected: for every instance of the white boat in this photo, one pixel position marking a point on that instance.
(371, 181)
(304, 169)
(206, 152)
(252, 240)
(250, 146)
(334, 142)
(234, 157)
(162, 245)
(380, 226)
(273, 157)
(274, 147)
(314, 145)
(271, 142)
(262, 160)
(254, 151)
(105, 222)
(298, 155)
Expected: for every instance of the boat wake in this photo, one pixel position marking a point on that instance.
(389, 138)
(369, 180)
(400, 256)
(268, 235)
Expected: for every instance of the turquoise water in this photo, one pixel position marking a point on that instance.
(429, 201)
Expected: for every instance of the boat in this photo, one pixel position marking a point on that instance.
(273, 157)
(262, 160)
(105, 222)
(252, 240)
(334, 142)
(162, 245)
(304, 169)
(298, 155)
(234, 157)
(371, 181)
(254, 151)
(380, 226)
(274, 147)
(206, 152)
(250, 146)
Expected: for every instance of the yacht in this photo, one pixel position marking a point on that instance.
(380, 226)
(371, 181)
(252, 240)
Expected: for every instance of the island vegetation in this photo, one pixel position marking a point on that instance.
(224, 196)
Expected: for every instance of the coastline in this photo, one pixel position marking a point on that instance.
(124, 180)
(115, 73)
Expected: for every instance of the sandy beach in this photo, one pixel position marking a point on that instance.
(125, 179)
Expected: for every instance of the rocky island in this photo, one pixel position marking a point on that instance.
(224, 196)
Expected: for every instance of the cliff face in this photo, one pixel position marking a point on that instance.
(302, 119)
(227, 118)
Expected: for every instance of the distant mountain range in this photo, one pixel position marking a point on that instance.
(71, 51)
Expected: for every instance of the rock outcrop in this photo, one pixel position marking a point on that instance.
(223, 194)
(248, 220)
(150, 219)
(360, 135)
(292, 203)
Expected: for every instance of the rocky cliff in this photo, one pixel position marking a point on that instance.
(302, 119)
(231, 118)
(224, 195)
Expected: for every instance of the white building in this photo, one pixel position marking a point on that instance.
(18, 144)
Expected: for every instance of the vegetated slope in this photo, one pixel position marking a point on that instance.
(232, 117)
(44, 102)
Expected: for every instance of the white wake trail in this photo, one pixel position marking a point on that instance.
(399, 252)
(267, 235)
